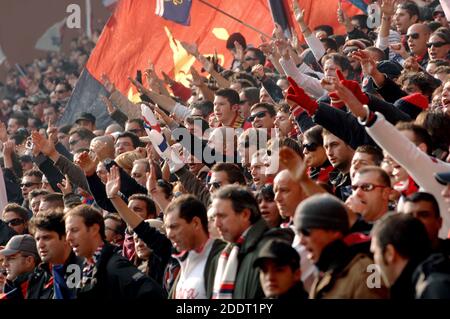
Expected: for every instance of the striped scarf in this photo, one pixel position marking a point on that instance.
(227, 267)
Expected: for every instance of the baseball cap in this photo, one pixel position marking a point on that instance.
(20, 243)
(280, 251)
(86, 116)
(443, 178)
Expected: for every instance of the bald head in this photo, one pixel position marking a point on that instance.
(112, 128)
(418, 35)
(288, 193)
(103, 146)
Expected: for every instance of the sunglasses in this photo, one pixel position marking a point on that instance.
(29, 184)
(260, 115)
(60, 91)
(135, 131)
(367, 187)
(14, 222)
(249, 58)
(214, 185)
(436, 44)
(310, 147)
(414, 36)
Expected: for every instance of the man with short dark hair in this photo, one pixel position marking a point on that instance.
(226, 108)
(115, 229)
(126, 141)
(16, 217)
(106, 275)
(279, 271)
(321, 221)
(406, 15)
(51, 114)
(223, 174)
(425, 208)
(135, 126)
(52, 201)
(400, 243)
(55, 252)
(262, 115)
(80, 137)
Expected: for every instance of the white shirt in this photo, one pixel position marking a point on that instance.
(191, 283)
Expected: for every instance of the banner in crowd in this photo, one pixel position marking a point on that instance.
(135, 36)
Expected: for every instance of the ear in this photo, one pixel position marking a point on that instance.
(390, 254)
(95, 229)
(422, 147)
(246, 213)
(235, 107)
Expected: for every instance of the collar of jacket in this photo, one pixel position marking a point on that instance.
(253, 237)
(403, 287)
(334, 257)
(297, 292)
(337, 178)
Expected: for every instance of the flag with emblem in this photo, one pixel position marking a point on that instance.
(175, 10)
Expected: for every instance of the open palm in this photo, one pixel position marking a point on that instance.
(113, 182)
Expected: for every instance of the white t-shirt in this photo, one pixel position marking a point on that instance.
(191, 284)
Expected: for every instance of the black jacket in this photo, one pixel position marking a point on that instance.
(432, 278)
(117, 278)
(6, 233)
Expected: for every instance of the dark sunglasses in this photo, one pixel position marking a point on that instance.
(29, 184)
(14, 222)
(366, 187)
(73, 142)
(436, 44)
(249, 58)
(135, 131)
(260, 115)
(414, 36)
(311, 147)
(215, 185)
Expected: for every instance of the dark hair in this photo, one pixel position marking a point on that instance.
(133, 137)
(52, 220)
(234, 173)
(33, 172)
(425, 197)
(437, 124)
(329, 44)
(65, 129)
(189, 207)
(291, 143)
(66, 85)
(284, 108)
(361, 19)
(443, 33)
(37, 192)
(421, 135)
(342, 61)
(251, 94)
(240, 199)
(231, 95)
(90, 215)
(166, 187)
(411, 8)
(121, 225)
(266, 192)
(37, 122)
(383, 177)
(425, 82)
(326, 28)
(375, 152)
(433, 25)
(56, 198)
(139, 122)
(381, 54)
(83, 133)
(314, 134)
(19, 210)
(340, 39)
(20, 118)
(236, 37)
(268, 106)
(205, 107)
(151, 207)
(406, 233)
(258, 53)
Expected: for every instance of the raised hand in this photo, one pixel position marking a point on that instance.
(278, 32)
(112, 185)
(52, 133)
(101, 149)
(350, 100)
(294, 163)
(42, 144)
(297, 96)
(388, 7)
(3, 132)
(197, 80)
(151, 179)
(109, 107)
(65, 186)
(368, 64)
(258, 71)
(239, 51)
(85, 162)
(411, 64)
(190, 48)
(109, 86)
(9, 148)
(298, 12)
(399, 49)
(167, 79)
(282, 46)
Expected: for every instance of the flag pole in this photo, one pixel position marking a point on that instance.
(235, 19)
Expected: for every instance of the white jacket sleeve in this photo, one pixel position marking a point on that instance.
(420, 166)
(309, 84)
(181, 112)
(316, 46)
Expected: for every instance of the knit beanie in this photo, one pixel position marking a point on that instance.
(322, 211)
(412, 104)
